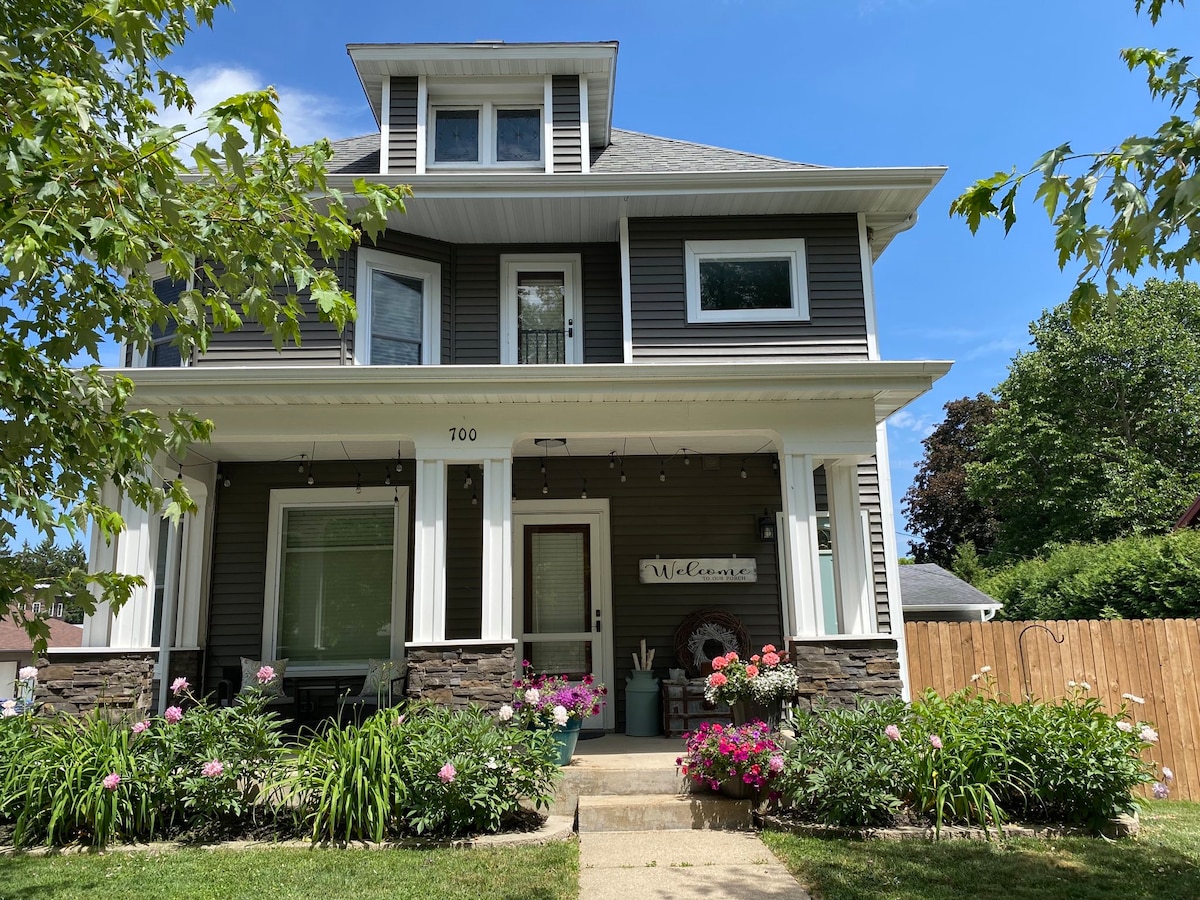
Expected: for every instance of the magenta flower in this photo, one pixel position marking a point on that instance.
(447, 773)
(111, 780)
(892, 732)
(213, 769)
(935, 741)
(173, 714)
(265, 674)
(139, 727)
(179, 685)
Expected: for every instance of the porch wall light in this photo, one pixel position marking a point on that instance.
(766, 526)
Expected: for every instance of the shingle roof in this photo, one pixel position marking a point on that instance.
(62, 634)
(629, 153)
(926, 584)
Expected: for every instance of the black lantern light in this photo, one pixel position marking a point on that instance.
(766, 526)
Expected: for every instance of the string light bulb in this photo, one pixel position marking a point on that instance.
(662, 470)
(583, 493)
(300, 468)
(743, 472)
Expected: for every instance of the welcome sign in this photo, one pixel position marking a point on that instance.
(695, 570)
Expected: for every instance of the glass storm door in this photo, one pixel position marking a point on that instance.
(542, 320)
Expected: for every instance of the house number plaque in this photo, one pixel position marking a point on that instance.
(696, 570)
(463, 434)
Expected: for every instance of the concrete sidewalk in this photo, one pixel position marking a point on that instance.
(677, 865)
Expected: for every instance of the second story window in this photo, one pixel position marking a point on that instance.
(746, 281)
(489, 134)
(399, 302)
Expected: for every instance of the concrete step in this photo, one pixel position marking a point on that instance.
(582, 781)
(662, 812)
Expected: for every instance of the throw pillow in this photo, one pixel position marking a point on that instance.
(250, 667)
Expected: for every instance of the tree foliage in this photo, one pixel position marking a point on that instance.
(91, 194)
(937, 506)
(54, 566)
(1116, 209)
(1097, 435)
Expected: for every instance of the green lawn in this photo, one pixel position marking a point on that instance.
(521, 873)
(1163, 862)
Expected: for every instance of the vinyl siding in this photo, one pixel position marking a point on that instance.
(464, 552)
(402, 126)
(868, 492)
(661, 332)
(568, 155)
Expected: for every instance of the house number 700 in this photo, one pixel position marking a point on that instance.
(463, 434)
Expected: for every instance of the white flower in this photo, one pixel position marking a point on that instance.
(1168, 775)
(28, 673)
(560, 716)
(1133, 698)
(975, 677)
(983, 670)
(1072, 684)
(532, 696)
(1148, 734)
(506, 713)
(9, 713)
(8, 704)
(1085, 685)
(1124, 726)
(491, 763)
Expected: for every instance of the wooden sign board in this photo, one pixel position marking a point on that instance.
(696, 571)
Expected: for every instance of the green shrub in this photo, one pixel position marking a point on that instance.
(1136, 577)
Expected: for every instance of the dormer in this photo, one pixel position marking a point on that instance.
(489, 106)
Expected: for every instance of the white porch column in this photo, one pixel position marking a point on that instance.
(135, 555)
(496, 623)
(800, 532)
(851, 563)
(193, 563)
(429, 553)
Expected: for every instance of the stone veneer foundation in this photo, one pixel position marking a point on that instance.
(459, 676)
(79, 682)
(844, 670)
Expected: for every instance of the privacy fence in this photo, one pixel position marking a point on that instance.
(1155, 659)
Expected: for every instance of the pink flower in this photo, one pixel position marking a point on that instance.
(769, 648)
(213, 769)
(1148, 734)
(751, 670)
(265, 674)
(447, 773)
(935, 741)
(716, 679)
(1124, 726)
(775, 764)
(770, 659)
(111, 780)
(1161, 791)
(719, 663)
(139, 727)
(28, 673)
(892, 732)
(173, 714)
(179, 685)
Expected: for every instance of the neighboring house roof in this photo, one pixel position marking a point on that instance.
(62, 634)
(927, 587)
(629, 153)
(1191, 518)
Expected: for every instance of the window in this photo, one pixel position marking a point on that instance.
(336, 559)
(540, 308)
(399, 310)
(746, 281)
(162, 351)
(487, 135)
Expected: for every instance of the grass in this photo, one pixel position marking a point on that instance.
(1163, 861)
(550, 872)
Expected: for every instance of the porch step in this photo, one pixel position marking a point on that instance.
(580, 781)
(662, 812)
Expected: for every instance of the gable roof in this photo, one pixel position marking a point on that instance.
(630, 152)
(1191, 518)
(62, 634)
(927, 586)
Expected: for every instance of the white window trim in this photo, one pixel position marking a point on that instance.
(429, 273)
(571, 266)
(487, 136)
(791, 249)
(308, 498)
(140, 358)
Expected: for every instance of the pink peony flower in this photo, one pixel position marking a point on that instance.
(28, 673)
(139, 727)
(532, 696)
(179, 685)
(775, 764)
(506, 713)
(1148, 734)
(935, 741)
(751, 670)
(111, 780)
(1168, 775)
(716, 679)
(447, 773)
(1160, 791)
(265, 674)
(173, 714)
(214, 768)
(892, 732)
(1124, 726)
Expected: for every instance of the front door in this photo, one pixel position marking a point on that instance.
(561, 590)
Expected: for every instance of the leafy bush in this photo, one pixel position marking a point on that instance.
(432, 770)
(1136, 577)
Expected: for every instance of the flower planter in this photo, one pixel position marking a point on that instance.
(737, 789)
(567, 736)
(750, 710)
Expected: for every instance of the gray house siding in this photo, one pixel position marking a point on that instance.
(402, 126)
(568, 142)
(661, 332)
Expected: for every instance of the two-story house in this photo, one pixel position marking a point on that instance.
(599, 381)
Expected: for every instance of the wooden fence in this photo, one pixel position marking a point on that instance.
(1154, 659)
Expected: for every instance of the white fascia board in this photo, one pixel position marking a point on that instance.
(487, 51)
(951, 607)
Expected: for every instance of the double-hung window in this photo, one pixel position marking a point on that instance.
(399, 310)
(336, 563)
(746, 281)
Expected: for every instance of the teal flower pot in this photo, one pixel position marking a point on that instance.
(567, 736)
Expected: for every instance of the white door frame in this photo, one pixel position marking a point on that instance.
(571, 267)
(573, 512)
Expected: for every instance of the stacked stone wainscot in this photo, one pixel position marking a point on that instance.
(79, 682)
(843, 671)
(460, 676)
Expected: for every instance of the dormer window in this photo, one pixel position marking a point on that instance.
(486, 135)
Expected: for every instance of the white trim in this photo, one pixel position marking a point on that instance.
(851, 558)
(571, 267)
(593, 512)
(385, 123)
(868, 281)
(429, 273)
(548, 124)
(785, 572)
(429, 553)
(952, 607)
(585, 139)
(626, 294)
(791, 250)
(822, 638)
(803, 554)
(422, 121)
(891, 555)
(496, 614)
(291, 498)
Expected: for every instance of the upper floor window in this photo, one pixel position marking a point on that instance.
(487, 134)
(746, 281)
(399, 302)
(162, 351)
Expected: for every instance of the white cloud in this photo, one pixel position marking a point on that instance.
(1005, 345)
(305, 116)
(907, 421)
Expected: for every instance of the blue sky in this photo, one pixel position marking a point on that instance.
(969, 85)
